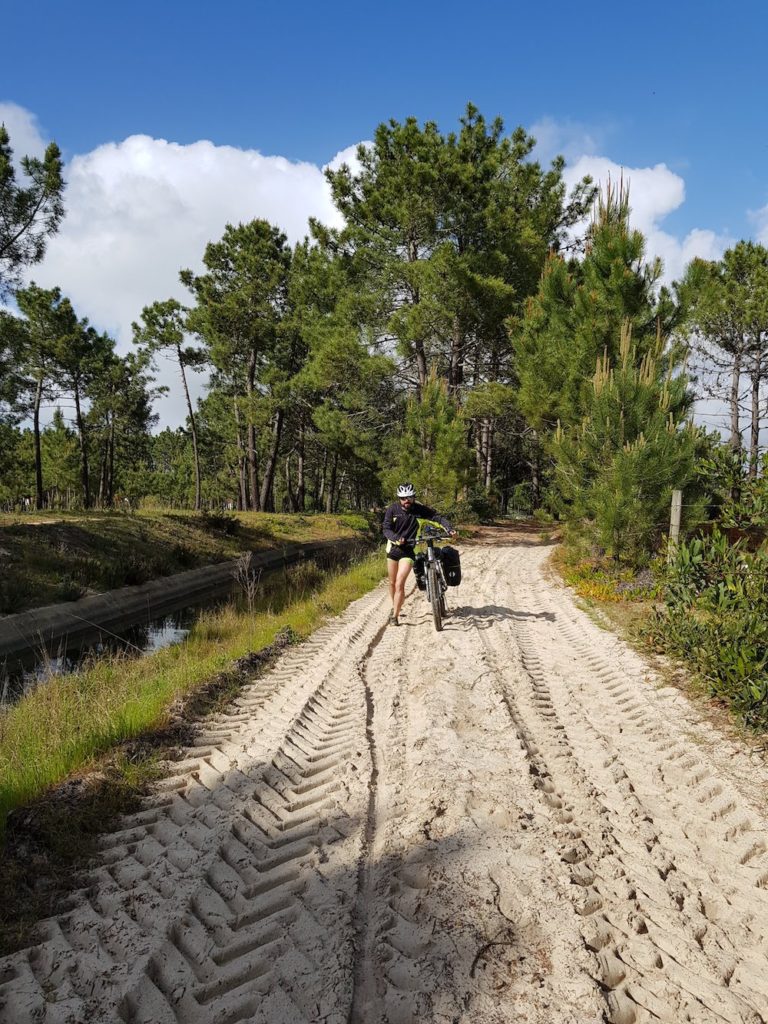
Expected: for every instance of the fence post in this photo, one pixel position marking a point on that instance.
(674, 523)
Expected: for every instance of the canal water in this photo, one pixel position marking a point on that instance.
(135, 639)
(132, 641)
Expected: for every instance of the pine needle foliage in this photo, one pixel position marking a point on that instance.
(432, 449)
(577, 315)
(618, 467)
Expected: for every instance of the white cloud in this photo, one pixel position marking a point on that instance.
(760, 219)
(654, 192)
(140, 210)
(348, 156)
(24, 131)
(571, 139)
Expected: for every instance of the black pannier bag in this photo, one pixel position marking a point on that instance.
(451, 565)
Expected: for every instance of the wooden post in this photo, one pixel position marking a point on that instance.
(674, 523)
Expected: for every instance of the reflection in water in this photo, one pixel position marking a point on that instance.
(131, 641)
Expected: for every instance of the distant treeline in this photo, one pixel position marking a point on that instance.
(474, 328)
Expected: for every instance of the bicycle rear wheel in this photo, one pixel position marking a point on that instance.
(435, 596)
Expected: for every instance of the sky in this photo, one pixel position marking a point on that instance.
(175, 119)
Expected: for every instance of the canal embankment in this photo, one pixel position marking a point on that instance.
(29, 637)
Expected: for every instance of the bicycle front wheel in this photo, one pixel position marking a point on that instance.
(435, 596)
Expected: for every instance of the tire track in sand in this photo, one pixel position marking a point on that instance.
(500, 822)
(459, 926)
(665, 949)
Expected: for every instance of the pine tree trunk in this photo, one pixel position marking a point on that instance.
(337, 498)
(421, 365)
(193, 430)
(84, 480)
(320, 483)
(251, 434)
(479, 451)
(38, 449)
(289, 494)
(300, 482)
(418, 345)
(754, 427)
(735, 439)
(456, 368)
(267, 502)
(242, 498)
(111, 469)
(103, 473)
(488, 427)
(331, 485)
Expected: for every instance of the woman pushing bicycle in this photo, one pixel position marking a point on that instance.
(401, 528)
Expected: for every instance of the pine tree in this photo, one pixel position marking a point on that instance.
(241, 302)
(726, 318)
(162, 329)
(28, 216)
(617, 467)
(577, 314)
(432, 449)
(48, 323)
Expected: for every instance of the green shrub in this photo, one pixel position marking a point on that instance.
(716, 618)
(14, 595)
(220, 522)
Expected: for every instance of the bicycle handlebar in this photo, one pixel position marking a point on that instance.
(433, 533)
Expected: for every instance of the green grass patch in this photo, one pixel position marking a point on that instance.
(597, 578)
(50, 557)
(68, 721)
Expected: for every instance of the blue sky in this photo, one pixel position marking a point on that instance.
(678, 82)
(673, 92)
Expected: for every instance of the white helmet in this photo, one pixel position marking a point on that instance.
(406, 491)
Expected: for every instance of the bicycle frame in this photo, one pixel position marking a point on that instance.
(433, 570)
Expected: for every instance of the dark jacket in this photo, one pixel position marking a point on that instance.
(401, 522)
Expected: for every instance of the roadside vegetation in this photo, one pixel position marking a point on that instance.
(55, 556)
(703, 603)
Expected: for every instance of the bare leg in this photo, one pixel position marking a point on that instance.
(392, 573)
(403, 571)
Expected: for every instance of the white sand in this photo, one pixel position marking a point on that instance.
(507, 821)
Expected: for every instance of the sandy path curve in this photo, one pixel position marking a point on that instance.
(512, 820)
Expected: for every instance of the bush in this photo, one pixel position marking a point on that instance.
(220, 522)
(69, 590)
(716, 618)
(485, 507)
(14, 595)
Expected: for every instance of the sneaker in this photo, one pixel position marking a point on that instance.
(393, 621)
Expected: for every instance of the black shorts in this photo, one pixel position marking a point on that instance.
(399, 551)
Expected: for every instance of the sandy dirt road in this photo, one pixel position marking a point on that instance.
(511, 820)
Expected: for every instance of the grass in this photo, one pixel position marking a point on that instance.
(615, 597)
(64, 724)
(50, 557)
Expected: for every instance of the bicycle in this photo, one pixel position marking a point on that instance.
(436, 583)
